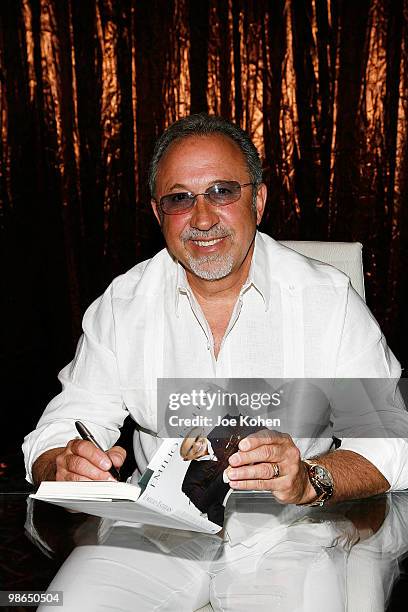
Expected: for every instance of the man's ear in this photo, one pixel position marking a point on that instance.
(260, 202)
(156, 211)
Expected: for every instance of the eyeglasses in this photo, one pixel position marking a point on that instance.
(219, 194)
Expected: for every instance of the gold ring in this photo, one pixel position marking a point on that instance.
(275, 470)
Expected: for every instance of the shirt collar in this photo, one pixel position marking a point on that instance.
(258, 276)
(182, 285)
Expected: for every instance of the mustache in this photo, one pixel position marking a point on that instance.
(219, 231)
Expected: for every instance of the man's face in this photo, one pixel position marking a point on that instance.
(194, 447)
(211, 242)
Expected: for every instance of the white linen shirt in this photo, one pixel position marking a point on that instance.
(294, 318)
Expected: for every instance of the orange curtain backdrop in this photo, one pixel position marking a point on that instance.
(86, 86)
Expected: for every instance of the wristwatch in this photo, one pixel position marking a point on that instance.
(322, 482)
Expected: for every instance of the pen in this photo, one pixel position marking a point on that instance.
(86, 435)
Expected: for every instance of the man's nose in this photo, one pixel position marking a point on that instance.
(204, 215)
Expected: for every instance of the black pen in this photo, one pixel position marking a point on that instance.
(86, 435)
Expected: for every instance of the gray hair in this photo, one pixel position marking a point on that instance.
(201, 124)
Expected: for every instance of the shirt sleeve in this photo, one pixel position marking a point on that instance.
(364, 354)
(91, 390)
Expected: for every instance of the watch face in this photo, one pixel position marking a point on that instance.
(322, 476)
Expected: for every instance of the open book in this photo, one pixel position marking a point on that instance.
(158, 499)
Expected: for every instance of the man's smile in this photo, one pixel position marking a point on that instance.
(206, 243)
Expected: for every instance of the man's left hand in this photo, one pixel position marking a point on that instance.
(252, 467)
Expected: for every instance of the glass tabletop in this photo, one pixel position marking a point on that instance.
(358, 542)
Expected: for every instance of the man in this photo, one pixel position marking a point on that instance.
(221, 301)
(206, 480)
(220, 288)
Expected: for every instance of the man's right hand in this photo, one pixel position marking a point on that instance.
(80, 460)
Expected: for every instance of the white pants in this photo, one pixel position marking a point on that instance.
(289, 569)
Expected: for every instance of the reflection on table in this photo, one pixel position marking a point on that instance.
(344, 557)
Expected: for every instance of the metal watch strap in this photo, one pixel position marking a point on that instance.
(323, 491)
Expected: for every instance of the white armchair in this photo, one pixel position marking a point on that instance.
(345, 256)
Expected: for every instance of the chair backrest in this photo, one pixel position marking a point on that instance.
(345, 256)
